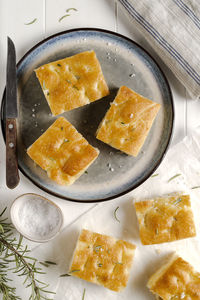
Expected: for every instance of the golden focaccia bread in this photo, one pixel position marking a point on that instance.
(176, 279)
(103, 260)
(72, 82)
(62, 152)
(165, 219)
(128, 121)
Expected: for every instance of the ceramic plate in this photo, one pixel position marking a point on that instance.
(123, 63)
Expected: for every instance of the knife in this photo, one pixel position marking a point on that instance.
(12, 174)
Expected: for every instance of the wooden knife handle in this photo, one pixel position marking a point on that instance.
(12, 174)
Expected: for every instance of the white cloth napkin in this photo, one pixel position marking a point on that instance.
(184, 159)
(172, 28)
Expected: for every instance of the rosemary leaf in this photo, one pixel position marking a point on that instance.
(1, 229)
(154, 175)
(71, 8)
(195, 187)
(65, 275)
(1, 214)
(66, 141)
(34, 20)
(73, 271)
(100, 265)
(20, 241)
(69, 274)
(83, 297)
(177, 201)
(97, 248)
(44, 264)
(173, 177)
(67, 15)
(50, 262)
(115, 214)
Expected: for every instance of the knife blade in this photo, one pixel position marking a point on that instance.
(12, 174)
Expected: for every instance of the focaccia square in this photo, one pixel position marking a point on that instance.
(103, 260)
(165, 219)
(128, 121)
(72, 82)
(62, 152)
(176, 279)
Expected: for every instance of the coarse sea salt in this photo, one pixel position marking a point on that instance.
(36, 217)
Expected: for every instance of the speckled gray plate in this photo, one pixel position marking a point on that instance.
(123, 63)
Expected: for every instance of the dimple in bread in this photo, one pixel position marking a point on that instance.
(72, 82)
(103, 260)
(176, 279)
(165, 219)
(128, 121)
(63, 152)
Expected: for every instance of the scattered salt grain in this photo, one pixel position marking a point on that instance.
(158, 251)
(182, 296)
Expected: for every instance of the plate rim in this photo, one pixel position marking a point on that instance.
(100, 30)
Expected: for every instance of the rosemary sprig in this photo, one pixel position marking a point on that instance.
(34, 20)
(115, 214)
(14, 257)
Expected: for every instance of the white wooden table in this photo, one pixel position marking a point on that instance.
(105, 14)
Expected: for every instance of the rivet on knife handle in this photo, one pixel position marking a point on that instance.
(12, 174)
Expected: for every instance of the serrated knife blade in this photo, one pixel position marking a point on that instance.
(12, 174)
